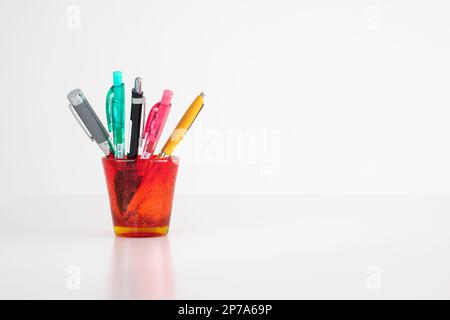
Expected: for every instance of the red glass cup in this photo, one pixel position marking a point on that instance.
(140, 194)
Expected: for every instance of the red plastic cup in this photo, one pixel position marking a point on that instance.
(140, 194)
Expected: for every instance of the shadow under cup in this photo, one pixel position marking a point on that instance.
(140, 194)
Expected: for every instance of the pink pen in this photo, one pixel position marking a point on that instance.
(155, 123)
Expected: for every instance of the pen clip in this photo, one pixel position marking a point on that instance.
(152, 119)
(77, 118)
(142, 135)
(109, 111)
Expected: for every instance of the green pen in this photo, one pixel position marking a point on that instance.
(115, 113)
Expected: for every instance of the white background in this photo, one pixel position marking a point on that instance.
(318, 168)
(352, 93)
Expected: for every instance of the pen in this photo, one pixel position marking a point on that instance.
(155, 123)
(137, 115)
(183, 126)
(115, 113)
(89, 122)
(179, 132)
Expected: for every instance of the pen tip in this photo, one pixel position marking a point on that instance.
(202, 94)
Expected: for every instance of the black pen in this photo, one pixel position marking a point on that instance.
(137, 116)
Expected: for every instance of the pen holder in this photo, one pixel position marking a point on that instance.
(140, 194)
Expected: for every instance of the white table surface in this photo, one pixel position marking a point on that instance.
(274, 247)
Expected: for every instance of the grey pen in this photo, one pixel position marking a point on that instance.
(89, 122)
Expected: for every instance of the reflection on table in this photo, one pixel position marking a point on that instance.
(141, 269)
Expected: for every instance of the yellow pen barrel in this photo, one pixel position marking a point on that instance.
(183, 125)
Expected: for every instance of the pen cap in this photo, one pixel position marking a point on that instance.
(167, 97)
(117, 78)
(76, 97)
